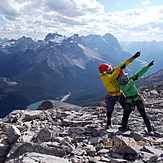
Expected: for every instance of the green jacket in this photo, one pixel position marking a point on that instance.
(129, 89)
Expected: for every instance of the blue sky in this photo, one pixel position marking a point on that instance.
(127, 20)
(122, 5)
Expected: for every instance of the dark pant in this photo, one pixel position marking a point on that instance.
(127, 111)
(112, 100)
(110, 106)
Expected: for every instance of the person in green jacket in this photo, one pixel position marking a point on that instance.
(127, 85)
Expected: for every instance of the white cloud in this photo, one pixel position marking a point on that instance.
(39, 17)
(145, 3)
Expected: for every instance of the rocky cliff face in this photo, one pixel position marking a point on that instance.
(50, 68)
(73, 134)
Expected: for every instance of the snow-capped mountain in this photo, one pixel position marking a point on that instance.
(56, 65)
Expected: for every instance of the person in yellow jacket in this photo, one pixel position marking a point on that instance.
(109, 76)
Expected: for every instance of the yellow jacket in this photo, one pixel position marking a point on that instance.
(110, 81)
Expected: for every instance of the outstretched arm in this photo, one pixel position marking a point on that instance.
(139, 74)
(128, 61)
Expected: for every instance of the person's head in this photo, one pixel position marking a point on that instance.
(123, 77)
(105, 68)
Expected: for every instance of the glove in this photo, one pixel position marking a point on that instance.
(123, 67)
(137, 54)
(135, 78)
(151, 64)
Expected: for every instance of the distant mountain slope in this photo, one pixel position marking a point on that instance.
(150, 51)
(52, 67)
(154, 81)
(2, 40)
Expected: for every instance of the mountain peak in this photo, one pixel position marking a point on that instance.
(54, 37)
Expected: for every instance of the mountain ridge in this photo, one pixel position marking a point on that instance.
(56, 65)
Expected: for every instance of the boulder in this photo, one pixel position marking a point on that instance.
(13, 134)
(44, 135)
(4, 149)
(126, 146)
(149, 157)
(30, 115)
(153, 92)
(22, 148)
(33, 157)
(153, 150)
(46, 105)
(118, 161)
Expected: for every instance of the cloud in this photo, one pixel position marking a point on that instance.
(39, 17)
(73, 8)
(145, 3)
(8, 11)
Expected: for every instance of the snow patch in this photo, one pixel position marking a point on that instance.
(79, 62)
(10, 83)
(91, 54)
(58, 39)
(65, 98)
(8, 44)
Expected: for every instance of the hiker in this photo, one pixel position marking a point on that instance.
(127, 85)
(108, 76)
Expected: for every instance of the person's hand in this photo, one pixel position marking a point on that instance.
(135, 78)
(151, 64)
(106, 98)
(137, 54)
(123, 67)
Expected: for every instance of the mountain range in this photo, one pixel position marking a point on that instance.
(152, 50)
(33, 70)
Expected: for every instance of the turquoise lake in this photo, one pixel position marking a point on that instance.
(34, 106)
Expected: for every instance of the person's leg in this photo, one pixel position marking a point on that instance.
(110, 106)
(126, 112)
(121, 100)
(141, 109)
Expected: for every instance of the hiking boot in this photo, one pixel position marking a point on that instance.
(107, 127)
(124, 129)
(108, 124)
(151, 133)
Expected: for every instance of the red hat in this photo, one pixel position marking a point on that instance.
(120, 74)
(104, 67)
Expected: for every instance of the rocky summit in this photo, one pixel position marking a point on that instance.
(68, 134)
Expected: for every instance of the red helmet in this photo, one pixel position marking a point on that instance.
(104, 67)
(120, 74)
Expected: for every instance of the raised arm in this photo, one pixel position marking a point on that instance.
(128, 61)
(139, 74)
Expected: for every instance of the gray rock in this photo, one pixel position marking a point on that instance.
(149, 157)
(13, 134)
(32, 157)
(80, 123)
(118, 161)
(90, 149)
(4, 149)
(78, 135)
(151, 149)
(45, 105)
(78, 151)
(94, 140)
(22, 148)
(117, 155)
(31, 115)
(126, 146)
(137, 136)
(154, 92)
(65, 122)
(103, 151)
(77, 130)
(44, 135)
